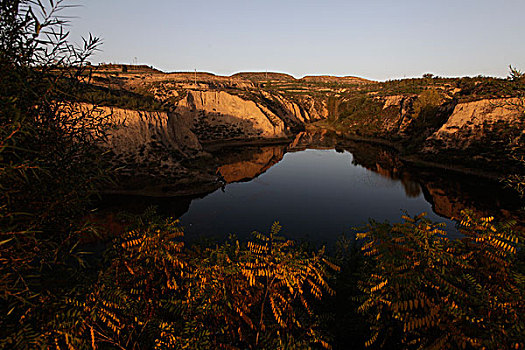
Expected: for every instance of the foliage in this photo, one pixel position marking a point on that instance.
(359, 115)
(113, 97)
(475, 88)
(427, 102)
(432, 292)
(515, 74)
(517, 151)
(517, 181)
(339, 314)
(49, 166)
(157, 293)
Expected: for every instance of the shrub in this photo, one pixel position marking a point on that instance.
(426, 102)
(49, 168)
(515, 149)
(158, 293)
(428, 291)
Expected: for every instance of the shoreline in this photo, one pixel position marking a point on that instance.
(415, 159)
(194, 185)
(211, 146)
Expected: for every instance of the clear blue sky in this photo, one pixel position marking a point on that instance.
(376, 39)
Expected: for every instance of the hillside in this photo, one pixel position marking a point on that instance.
(334, 79)
(264, 76)
(457, 122)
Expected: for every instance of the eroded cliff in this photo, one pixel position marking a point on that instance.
(218, 115)
(443, 120)
(474, 124)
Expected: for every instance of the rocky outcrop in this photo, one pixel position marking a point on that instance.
(436, 127)
(203, 116)
(145, 147)
(221, 115)
(474, 123)
(396, 101)
(141, 135)
(218, 115)
(400, 116)
(161, 139)
(291, 108)
(295, 114)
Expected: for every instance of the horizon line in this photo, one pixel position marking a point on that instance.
(295, 77)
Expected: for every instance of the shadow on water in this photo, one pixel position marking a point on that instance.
(319, 187)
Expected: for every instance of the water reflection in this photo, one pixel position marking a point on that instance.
(316, 195)
(258, 160)
(318, 187)
(375, 158)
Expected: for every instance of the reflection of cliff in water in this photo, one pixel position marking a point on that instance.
(250, 163)
(386, 164)
(322, 139)
(448, 193)
(375, 158)
(244, 164)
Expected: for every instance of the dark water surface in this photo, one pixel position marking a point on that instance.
(318, 193)
(315, 195)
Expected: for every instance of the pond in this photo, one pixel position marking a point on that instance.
(318, 191)
(316, 195)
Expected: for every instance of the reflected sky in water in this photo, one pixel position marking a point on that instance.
(316, 195)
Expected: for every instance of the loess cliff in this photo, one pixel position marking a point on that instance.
(163, 119)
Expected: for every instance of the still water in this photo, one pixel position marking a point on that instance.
(316, 195)
(318, 189)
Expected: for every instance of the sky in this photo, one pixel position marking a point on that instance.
(375, 39)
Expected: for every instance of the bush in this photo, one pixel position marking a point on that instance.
(426, 103)
(427, 291)
(49, 169)
(159, 294)
(515, 149)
